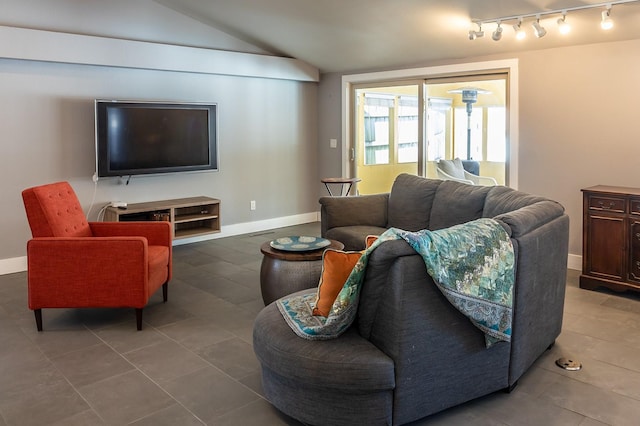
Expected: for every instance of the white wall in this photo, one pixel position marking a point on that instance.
(267, 138)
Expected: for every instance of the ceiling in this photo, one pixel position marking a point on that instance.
(352, 35)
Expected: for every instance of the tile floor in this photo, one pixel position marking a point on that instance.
(193, 363)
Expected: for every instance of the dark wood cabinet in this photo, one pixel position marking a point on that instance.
(611, 238)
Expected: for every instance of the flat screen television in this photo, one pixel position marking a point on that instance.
(134, 138)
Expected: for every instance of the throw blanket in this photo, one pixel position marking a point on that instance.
(472, 264)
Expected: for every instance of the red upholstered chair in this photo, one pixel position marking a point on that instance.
(73, 263)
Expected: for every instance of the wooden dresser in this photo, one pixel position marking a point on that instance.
(611, 238)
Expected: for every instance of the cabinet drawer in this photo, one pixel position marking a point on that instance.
(611, 204)
(634, 206)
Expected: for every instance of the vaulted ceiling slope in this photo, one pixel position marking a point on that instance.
(352, 35)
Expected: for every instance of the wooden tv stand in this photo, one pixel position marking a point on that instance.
(189, 217)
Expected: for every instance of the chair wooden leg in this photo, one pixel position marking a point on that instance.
(139, 318)
(38, 314)
(165, 291)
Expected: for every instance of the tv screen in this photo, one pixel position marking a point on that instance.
(134, 138)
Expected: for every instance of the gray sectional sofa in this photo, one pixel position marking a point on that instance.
(410, 353)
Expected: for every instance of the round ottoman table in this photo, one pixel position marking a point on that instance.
(285, 272)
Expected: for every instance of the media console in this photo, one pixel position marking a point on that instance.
(189, 217)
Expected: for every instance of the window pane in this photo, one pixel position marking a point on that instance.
(460, 133)
(437, 110)
(496, 134)
(408, 129)
(376, 131)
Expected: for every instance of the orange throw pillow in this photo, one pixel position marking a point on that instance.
(336, 267)
(370, 239)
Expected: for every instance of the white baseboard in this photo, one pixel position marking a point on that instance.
(19, 264)
(574, 262)
(13, 265)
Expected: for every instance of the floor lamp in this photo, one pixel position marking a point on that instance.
(469, 97)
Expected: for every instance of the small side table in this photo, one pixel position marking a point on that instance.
(284, 272)
(340, 181)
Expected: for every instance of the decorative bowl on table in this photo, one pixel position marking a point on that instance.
(299, 243)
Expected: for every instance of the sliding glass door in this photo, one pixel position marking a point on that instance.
(406, 127)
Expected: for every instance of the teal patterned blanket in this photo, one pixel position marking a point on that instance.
(472, 264)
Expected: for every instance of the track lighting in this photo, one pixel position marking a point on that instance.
(538, 29)
(607, 22)
(563, 27)
(520, 34)
(497, 34)
(476, 34)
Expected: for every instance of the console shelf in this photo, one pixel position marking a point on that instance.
(189, 217)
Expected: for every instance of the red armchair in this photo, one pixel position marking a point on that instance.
(73, 263)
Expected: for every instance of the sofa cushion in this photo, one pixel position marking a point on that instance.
(410, 202)
(336, 267)
(350, 362)
(502, 199)
(456, 203)
(353, 237)
(370, 210)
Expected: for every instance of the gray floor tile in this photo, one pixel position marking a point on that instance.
(173, 415)
(257, 413)
(594, 402)
(124, 338)
(85, 418)
(234, 356)
(125, 398)
(105, 363)
(193, 364)
(49, 401)
(209, 393)
(165, 361)
(195, 333)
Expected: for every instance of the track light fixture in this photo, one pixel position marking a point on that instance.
(497, 34)
(476, 34)
(563, 26)
(520, 34)
(607, 22)
(538, 29)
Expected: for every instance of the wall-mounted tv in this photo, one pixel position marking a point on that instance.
(134, 138)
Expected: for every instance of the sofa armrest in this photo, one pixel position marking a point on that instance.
(364, 210)
(156, 233)
(528, 218)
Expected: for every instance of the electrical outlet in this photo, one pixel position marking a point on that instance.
(253, 204)
(333, 143)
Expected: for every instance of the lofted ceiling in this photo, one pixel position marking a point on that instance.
(353, 35)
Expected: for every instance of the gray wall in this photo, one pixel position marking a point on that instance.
(578, 121)
(267, 137)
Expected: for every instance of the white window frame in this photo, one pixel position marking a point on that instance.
(508, 65)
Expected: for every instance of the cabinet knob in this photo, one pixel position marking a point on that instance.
(638, 235)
